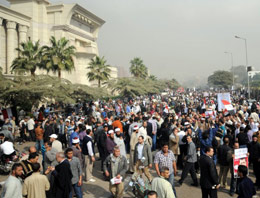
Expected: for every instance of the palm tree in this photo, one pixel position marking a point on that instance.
(59, 56)
(138, 69)
(99, 70)
(29, 58)
(153, 77)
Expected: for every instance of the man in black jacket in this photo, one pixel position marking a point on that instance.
(62, 176)
(255, 157)
(101, 143)
(222, 160)
(209, 176)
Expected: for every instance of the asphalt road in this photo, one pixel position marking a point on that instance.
(99, 189)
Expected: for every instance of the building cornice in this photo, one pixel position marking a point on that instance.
(55, 8)
(67, 28)
(9, 11)
(79, 9)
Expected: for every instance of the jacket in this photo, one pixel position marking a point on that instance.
(86, 140)
(110, 144)
(122, 166)
(222, 155)
(254, 151)
(209, 175)
(191, 153)
(147, 154)
(62, 181)
(174, 144)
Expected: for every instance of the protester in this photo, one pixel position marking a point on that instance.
(119, 140)
(7, 149)
(7, 133)
(191, 158)
(166, 158)
(133, 142)
(63, 175)
(152, 194)
(77, 151)
(56, 143)
(115, 167)
(36, 185)
(39, 133)
(161, 185)
(230, 159)
(49, 156)
(246, 187)
(143, 158)
(76, 171)
(13, 185)
(209, 181)
(89, 152)
(27, 165)
(174, 142)
(110, 144)
(30, 125)
(222, 160)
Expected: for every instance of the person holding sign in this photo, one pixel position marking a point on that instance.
(115, 167)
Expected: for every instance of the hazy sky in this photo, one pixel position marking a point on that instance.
(177, 38)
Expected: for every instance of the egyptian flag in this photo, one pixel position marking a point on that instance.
(228, 107)
(204, 104)
(9, 112)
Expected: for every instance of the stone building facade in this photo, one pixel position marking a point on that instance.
(39, 20)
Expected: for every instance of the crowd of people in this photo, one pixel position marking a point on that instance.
(167, 133)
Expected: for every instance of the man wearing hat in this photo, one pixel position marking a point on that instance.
(133, 142)
(77, 152)
(119, 140)
(110, 144)
(55, 143)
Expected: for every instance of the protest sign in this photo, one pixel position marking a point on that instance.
(240, 158)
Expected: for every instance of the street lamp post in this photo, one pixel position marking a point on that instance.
(232, 66)
(248, 86)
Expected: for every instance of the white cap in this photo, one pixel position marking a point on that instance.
(117, 129)
(75, 140)
(136, 127)
(110, 131)
(186, 123)
(53, 136)
(88, 127)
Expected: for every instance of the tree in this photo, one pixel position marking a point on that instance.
(138, 69)
(99, 70)
(152, 77)
(29, 58)
(58, 56)
(172, 84)
(220, 79)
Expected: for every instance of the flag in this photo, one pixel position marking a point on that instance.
(7, 113)
(228, 106)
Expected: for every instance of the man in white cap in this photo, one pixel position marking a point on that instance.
(119, 140)
(110, 144)
(55, 143)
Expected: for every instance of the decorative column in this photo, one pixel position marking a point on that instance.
(1, 50)
(22, 33)
(11, 31)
